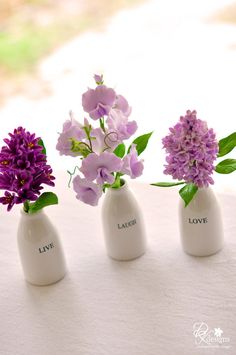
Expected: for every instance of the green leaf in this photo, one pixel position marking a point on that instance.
(226, 166)
(40, 142)
(227, 144)
(187, 192)
(46, 199)
(120, 150)
(168, 184)
(141, 142)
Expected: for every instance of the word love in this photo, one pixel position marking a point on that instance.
(197, 220)
(46, 248)
(127, 224)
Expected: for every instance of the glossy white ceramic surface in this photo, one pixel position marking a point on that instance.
(123, 224)
(200, 224)
(40, 249)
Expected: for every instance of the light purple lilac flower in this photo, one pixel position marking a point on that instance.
(23, 168)
(71, 130)
(191, 150)
(117, 121)
(132, 166)
(100, 167)
(98, 102)
(87, 191)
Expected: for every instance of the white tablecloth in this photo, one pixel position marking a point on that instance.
(103, 307)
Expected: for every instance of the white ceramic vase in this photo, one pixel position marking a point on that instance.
(123, 224)
(40, 249)
(200, 224)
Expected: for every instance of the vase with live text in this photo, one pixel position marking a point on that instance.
(40, 249)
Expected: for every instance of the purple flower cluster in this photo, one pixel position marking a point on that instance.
(191, 151)
(96, 145)
(100, 169)
(23, 168)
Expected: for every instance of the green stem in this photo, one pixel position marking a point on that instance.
(102, 124)
(90, 143)
(87, 131)
(86, 145)
(26, 206)
(116, 184)
(72, 174)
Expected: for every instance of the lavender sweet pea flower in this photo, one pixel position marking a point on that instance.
(98, 79)
(98, 102)
(101, 167)
(119, 123)
(103, 141)
(71, 130)
(131, 165)
(87, 191)
(97, 138)
(122, 105)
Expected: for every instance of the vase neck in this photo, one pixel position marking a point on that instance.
(204, 191)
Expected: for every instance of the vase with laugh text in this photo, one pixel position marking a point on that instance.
(123, 224)
(200, 224)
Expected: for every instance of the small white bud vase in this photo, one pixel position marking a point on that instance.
(123, 224)
(40, 250)
(200, 224)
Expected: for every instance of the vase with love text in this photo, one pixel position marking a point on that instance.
(200, 224)
(123, 224)
(40, 249)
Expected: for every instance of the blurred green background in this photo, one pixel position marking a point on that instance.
(32, 29)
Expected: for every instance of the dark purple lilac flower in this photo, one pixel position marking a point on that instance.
(9, 200)
(21, 152)
(7, 180)
(23, 168)
(191, 151)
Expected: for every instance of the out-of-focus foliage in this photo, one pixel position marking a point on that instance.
(227, 14)
(31, 29)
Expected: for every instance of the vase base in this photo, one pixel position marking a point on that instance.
(127, 258)
(203, 254)
(47, 283)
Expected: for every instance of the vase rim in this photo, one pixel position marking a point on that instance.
(123, 187)
(31, 215)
